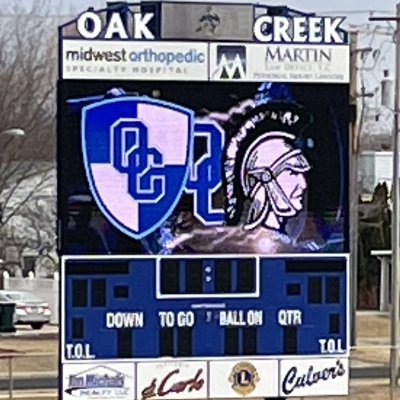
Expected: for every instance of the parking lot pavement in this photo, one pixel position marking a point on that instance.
(367, 390)
(47, 330)
(31, 394)
(374, 390)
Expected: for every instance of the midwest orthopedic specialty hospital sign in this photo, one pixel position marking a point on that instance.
(284, 49)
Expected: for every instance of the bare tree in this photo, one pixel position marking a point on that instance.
(28, 61)
(33, 228)
(28, 65)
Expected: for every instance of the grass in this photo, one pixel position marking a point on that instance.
(369, 327)
(373, 326)
(369, 390)
(366, 390)
(38, 363)
(372, 331)
(372, 356)
(31, 395)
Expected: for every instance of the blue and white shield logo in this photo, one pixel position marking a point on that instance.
(137, 153)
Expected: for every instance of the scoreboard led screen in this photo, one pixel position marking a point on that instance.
(264, 169)
(203, 208)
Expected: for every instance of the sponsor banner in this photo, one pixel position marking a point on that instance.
(207, 21)
(82, 59)
(279, 63)
(98, 381)
(314, 377)
(172, 380)
(237, 379)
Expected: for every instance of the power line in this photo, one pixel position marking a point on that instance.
(38, 16)
(356, 12)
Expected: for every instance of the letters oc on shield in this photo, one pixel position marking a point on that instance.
(136, 154)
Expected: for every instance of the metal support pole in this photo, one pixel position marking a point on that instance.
(394, 334)
(10, 378)
(384, 284)
(395, 297)
(353, 198)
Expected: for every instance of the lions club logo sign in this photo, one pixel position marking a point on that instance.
(244, 378)
(137, 153)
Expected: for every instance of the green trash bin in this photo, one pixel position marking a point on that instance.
(7, 313)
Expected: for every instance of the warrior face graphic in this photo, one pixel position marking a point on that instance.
(273, 179)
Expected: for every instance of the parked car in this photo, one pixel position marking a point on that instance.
(29, 309)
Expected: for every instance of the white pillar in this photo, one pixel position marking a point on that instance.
(385, 284)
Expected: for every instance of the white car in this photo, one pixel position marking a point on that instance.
(29, 309)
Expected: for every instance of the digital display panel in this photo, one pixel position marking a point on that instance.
(263, 171)
(204, 21)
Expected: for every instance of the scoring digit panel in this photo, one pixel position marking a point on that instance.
(207, 276)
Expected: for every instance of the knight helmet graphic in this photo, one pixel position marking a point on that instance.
(137, 153)
(265, 170)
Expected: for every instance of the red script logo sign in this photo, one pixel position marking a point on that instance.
(167, 385)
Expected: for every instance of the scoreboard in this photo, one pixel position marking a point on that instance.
(146, 308)
(203, 210)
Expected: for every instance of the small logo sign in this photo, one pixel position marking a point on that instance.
(231, 62)
(313, 377)
(244, 378)
(99, 383)
(171, 385)
(209, 22)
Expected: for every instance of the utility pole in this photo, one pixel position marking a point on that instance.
(394, 331)
(355, 130)
(354, 145)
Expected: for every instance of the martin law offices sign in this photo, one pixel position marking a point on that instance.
(272, 62)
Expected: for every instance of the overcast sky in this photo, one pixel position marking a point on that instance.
(387, 6)
(309, 5)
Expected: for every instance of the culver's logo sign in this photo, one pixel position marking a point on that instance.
(314, 377)
(278, 29)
